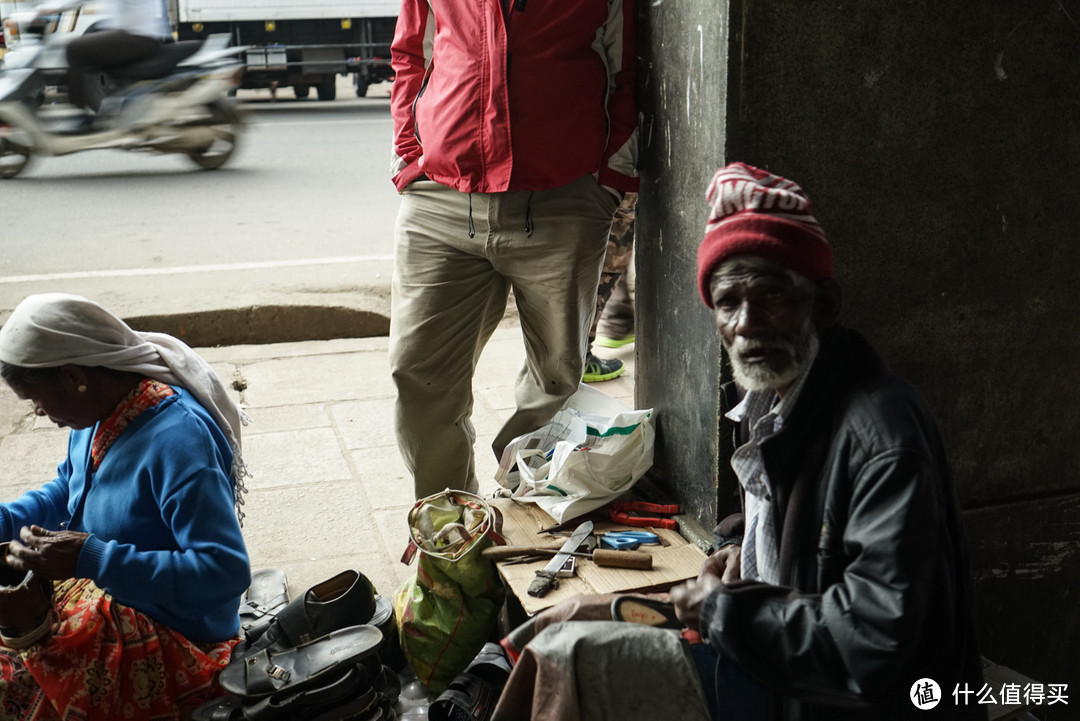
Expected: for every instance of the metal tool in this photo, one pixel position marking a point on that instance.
(601, 557)
(627, 540)
(628, 513)
(546, 577)
(641, 513)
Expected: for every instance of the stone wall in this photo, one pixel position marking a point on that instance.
(940, 146)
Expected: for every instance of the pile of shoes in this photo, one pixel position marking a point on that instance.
(331, 654)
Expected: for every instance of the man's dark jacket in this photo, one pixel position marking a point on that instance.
(871, 544)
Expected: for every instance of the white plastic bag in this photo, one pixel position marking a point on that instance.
(593, 450)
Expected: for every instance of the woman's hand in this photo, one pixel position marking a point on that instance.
(50, 554)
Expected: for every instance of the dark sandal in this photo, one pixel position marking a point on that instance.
(269, 671)
(351, 689)
(366, 706)
(267, 594)
(347, 599)
(386, 620)
(226, 708)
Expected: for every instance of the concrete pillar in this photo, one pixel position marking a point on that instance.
(940, 146)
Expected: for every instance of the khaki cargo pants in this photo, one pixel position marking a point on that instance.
(450, 292)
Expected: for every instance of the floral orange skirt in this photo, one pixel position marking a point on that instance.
(108, 661)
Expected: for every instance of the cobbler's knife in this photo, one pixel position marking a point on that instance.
(545, 578)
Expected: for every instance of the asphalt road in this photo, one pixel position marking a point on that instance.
(301, 218)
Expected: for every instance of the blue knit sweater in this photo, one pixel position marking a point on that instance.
(164, 538)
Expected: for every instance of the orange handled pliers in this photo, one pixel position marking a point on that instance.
(640, 513)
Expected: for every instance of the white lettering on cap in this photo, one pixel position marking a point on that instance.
(737, 196)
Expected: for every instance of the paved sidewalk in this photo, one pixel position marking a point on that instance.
(328, 489)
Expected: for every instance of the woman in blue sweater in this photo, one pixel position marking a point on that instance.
(140, 528)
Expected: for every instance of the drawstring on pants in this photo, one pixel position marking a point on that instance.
(528, 215)
(472, 228)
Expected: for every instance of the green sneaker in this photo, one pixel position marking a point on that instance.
(601, 369)
(606, 342)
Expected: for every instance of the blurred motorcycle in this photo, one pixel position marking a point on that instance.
(176, 101)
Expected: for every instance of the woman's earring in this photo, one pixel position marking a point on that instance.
(82, 389)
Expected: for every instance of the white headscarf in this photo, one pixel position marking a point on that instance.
(54, 329)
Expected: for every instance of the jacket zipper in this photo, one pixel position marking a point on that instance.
(420, 92)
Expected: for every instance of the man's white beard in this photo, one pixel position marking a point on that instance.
(799, 351)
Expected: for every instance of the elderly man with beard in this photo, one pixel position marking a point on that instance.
(844, 585)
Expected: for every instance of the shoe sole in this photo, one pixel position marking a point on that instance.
(613, 342)
(600, 377)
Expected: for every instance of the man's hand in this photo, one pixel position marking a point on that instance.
(721, 567)
(689, 597)
(50, 554)
(725, 564)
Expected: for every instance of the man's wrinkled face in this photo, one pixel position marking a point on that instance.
(764, 313)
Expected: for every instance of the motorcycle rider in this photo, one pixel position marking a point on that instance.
(132, 30)
(175, 101)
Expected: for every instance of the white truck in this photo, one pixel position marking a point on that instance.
(13, 15)
(301, 44)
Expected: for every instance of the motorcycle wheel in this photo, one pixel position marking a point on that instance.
(14, 155)
(226, 123)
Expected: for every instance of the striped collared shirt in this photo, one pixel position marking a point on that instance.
(765, 413)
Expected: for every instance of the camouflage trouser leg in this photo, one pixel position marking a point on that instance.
(617, 321)
(620, 251)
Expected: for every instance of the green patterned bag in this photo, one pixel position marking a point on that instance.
(449, 608)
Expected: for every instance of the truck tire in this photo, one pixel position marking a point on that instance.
(301, 91)
(327, 89)
(360, 82)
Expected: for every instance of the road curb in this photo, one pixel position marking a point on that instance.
(263, 324)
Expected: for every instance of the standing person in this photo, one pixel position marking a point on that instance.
(131, 30)
(620, 253)
(845, 582)
(514, 141)
(616, 326)
(139, 529)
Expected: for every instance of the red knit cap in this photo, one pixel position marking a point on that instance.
(755, 213)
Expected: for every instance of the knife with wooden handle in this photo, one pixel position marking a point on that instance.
(545, 578)
(601, 556)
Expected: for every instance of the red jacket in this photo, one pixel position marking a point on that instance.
(487, 100)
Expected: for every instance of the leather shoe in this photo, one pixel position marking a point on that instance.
(347, 599)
